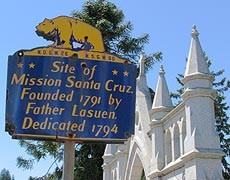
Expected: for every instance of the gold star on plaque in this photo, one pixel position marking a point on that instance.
(20, 65)
(126, 73)
(31, 65)
(115, 72)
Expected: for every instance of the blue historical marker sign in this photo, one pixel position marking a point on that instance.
(71, 89)
(78, 98)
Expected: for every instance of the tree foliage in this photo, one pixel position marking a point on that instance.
(5, 175)
(222, 119)
(116, 33)
(221, 85)
(89, 161)
(38, 150)
(118, 40)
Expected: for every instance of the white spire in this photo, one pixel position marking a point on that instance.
(141, 80)
(142, 87)
(142, 64)
(162, 97)
(196, 60)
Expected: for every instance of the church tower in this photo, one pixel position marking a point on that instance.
(162, 105)
(202, 146)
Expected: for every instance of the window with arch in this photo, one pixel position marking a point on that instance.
(183, 133)
(176, 140)
(168, 147)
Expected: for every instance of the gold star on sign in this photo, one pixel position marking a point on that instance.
(126, 73)
(115, 72)
(20, 65)
(31, 65)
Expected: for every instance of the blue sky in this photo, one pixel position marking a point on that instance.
(168, 23)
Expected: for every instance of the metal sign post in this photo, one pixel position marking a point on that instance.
(69, 159)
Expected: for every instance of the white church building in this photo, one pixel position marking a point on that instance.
(171, 143)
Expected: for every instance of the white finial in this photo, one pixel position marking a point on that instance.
(194, 31)
(161, 70)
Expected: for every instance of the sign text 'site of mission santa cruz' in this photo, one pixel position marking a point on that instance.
(72, 89)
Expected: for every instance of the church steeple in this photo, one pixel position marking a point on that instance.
(197, 74)
(196, 60)
(162, 103)
(198, 97)
(162, 97)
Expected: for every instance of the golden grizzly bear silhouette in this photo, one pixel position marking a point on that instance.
(70, 33)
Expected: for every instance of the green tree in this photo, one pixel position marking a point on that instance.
(222, 119)
(38, 150)
(116, 34)
(221, 85)
(5, 175)
(89, 161)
